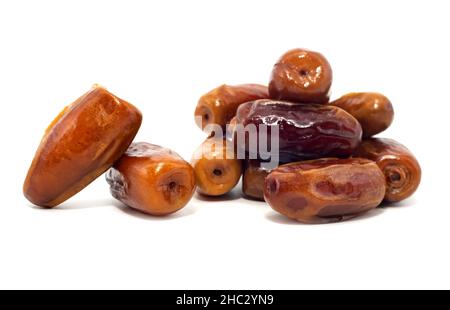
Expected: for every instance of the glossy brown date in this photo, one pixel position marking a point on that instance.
(306, 131)
(401, 169)
(373, 111)
(253, 179)
(84, 140)
(301, 75)
(325, 190)
(216, 167)
(219, 105)
(152, 179)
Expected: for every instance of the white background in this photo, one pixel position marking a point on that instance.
(161, 56)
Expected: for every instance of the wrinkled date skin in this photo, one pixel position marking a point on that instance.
(152, 179)
(253, 179)
(401, 169)
(306, 131)
(219, 105)
(216, 167)
(301, 76)
(373, 111)
(84, 140)
(325, 190)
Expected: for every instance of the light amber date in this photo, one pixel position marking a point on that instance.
(401, 169)
(219, 105)
(373, 111)
(216, 167)
(152, 179)
(325, 190)
(84, 140)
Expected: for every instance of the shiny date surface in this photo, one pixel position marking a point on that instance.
(301, 76)
(325, 190)
(152, 179)
(374, 111)
(400, 167)
(83, 141)
(306, 131)
(220, 104)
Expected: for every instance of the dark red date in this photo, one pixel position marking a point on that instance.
(306, 131)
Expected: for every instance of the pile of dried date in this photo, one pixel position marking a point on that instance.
(330, 168)
(312, 160)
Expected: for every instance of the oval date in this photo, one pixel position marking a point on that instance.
(152, 179)
(373, 111)
(400, 167)
(325, 190)
(220, 104)
(305, 131)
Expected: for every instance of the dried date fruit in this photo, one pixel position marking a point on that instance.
(219, 105)
(152, 179)
(306, 131)
(253, 179)
(325, 190)
(401, 169)
(84, 140)
(216, 167)
(301, 75)
(373, 111)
